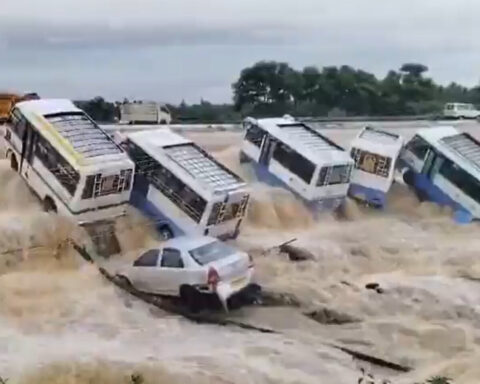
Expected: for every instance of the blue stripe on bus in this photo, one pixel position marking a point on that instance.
(433, 193)
(369, 195)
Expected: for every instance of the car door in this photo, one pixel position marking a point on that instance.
(174, 273)
(143, 273)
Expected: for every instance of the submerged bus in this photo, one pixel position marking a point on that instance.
(68, 161)
(375, 153)
(182, 188)
(290, 154)
(443, 166)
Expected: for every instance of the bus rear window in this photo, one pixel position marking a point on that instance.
(371, 162)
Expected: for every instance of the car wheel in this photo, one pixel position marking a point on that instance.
(191, 298)
(123, 281)
(165, 232)
(49, 205)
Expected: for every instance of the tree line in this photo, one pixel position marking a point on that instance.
(270, 88)
(273, 88)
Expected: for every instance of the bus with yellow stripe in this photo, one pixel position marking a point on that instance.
(68, 160)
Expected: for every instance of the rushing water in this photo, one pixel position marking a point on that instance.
(60, 322)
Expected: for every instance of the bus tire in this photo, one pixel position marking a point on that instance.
(244, 158)
(13, 163)
(191, 298)
(166, 232)
(49, 205)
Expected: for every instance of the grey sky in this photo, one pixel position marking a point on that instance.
(169, 50)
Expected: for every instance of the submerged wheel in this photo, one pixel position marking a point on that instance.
(244, 158)
(13, 163)
(191, 298)
(165, 232)
(124, 281)
(49, 205)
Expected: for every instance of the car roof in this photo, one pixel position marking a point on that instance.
(188, 242)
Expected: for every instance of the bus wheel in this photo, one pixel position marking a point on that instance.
(165, 232)
(14, 163)
(49, 205)
(244, 158)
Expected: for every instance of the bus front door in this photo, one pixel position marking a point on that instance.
(29, 141)
(267, 151)
(428, 165)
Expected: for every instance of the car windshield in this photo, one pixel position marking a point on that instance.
(211, 252)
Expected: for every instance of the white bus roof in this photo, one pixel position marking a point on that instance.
(163, 143)
(378, 141)
(461, 148)
(304, 140)
(70, 128)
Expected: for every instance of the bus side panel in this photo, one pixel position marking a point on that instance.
(459, 199)
(434, 190)
(159, 209)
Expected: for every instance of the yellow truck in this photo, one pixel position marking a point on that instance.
(8, 100)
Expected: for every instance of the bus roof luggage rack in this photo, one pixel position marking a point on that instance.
(376, 135)
(465, 146)
(308, 137)
(84, 135)
(199, 164)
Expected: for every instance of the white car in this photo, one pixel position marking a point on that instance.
(460, 111)
(192, 268)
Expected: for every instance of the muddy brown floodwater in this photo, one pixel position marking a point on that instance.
(61, 322)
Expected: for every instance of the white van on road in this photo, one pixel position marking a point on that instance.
(460, 111)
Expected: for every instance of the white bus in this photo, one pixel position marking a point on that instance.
(443, 166)
(375, 153)
(68, 161)
(290, 154)
(145, 112)
(182, 188)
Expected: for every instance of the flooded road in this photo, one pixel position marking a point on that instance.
(60, 321)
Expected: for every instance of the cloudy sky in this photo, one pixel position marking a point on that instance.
(171, 50)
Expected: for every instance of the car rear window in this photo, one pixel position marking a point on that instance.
(211, 252)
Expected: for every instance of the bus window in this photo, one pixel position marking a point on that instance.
(461, 179)
(255, 135)
(18, 123)
(340, 174)
(57, 165)
(294, 162)
(418, 147)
